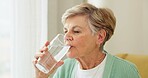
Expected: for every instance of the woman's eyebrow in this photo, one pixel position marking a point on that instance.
(76, 26)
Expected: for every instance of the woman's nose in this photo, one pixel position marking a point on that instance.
(68, 37)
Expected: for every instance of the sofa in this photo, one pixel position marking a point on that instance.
(141, 61)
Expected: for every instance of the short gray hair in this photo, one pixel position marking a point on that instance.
(98, 18)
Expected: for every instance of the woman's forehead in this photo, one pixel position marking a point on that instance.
(76, 22)
(73, 27)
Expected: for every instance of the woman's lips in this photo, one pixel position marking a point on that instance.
(71, 47)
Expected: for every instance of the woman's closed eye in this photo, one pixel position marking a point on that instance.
(76, 31)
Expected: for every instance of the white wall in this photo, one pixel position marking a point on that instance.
(130, 34)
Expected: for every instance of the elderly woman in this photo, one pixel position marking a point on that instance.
(87, 28)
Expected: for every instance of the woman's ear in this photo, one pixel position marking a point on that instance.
(101, 36)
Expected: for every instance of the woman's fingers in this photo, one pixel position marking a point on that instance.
(41, 54)
(47, 43)
(34, 61)
(45, 47)
(37, 55)
(43, 51)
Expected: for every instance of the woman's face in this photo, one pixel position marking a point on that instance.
(79, 36)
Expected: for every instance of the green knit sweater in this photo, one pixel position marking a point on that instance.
(114, 68)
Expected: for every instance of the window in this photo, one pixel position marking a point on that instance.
(5, 25)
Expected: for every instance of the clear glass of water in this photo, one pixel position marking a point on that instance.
(57, 50)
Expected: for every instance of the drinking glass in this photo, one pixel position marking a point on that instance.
(57, 50)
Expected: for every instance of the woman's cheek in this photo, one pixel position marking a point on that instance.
(78, 45)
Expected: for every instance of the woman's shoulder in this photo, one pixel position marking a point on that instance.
(122, 62)
(115, 59)
(122, 67)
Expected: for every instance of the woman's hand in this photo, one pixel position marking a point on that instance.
(43, 52)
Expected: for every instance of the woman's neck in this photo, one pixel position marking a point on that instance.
(91, 60)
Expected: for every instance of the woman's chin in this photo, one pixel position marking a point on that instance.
(70, 55)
